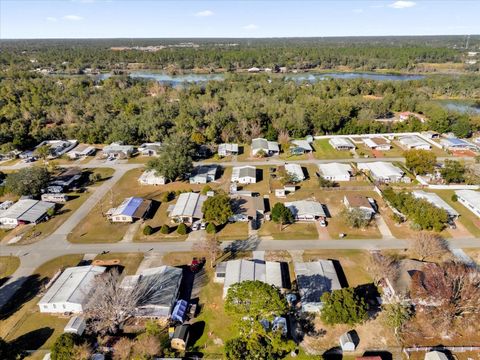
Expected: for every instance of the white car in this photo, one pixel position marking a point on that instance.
(323, 223)
(203, 226)
(195, 226)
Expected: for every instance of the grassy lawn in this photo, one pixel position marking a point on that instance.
(25, 324)
(395, 151)
(234, 231)
(288, 157)
(8, 265)
(130, 261)
(296, 231)
(323, 150)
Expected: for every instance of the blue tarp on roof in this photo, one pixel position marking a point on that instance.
(456, 141)
(132, 206)
(179, 311)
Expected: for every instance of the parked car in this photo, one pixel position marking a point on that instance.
(323, 223)
(196, 226)
(203, 226)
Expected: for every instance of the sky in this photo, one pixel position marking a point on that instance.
(256, 18)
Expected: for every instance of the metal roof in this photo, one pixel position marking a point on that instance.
(333, 170)
(455, 142)
(264, 144)
(189, 204)
(470, 196)
(296, 171)
(18, 209)
(341, 142)
(244, 171)
(315, 278)
(128, 206)
(228, 147)
(381, 169)
(36, 212)
(304, 144)
(436, 200)
(205, 171)
(73, 285)
(306, 207)
(413, 141)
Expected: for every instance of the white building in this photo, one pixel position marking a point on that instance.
(295, 170)
(304, 145)
(384, 172)
(236, 271)
(150, 149)
(346, 342)
(335, 171)
(188, 208)
(227, 149)
(359, 202)
(339, 143)
(414, 142)
(25, 211)
(81, 151)
(306, 210)
(435, 355)
(149, 177)
(244, 174)
(76, 325)
(70, 292)
(269, 148)
(457, 144)
(313, 280)
(58, 147)
(204, 174)
(130, 210)
(470, 199)
(437, 201)
(118, 150)
(377, 143)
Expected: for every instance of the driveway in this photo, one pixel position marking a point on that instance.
(383, 227)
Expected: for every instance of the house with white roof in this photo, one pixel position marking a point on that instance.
(57, 148)
(414, 142)
(470, 199)
(313, 280)
(227, 149)
(384, 172)
(118, 150)
(244, 174)
(70, 292)
(236, 271)
(25, 211)
(269, 148)
(335, 171)
(203, 174)
(81, 151)
(377, 143)
(295, 171)
(437, 201)
(150, 149)
(188, 208)
(306, 210)
(457, 144)
(149, 177)
(130, 210)
(340, 143)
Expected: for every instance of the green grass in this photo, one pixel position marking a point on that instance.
(296, 231)
(323, 150)
(8, 265)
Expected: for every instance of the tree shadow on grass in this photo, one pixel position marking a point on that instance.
(23, 291)
(33, 340)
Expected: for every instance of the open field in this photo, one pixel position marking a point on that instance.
(323, 150)
(233, 231)
(296, 231)
(8, 265)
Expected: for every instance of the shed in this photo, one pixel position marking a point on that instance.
(180, 337)
(346, 342)
(76, 325)
(435, 355)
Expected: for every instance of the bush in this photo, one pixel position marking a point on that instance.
(454, 198)
(167, 196)
(182, 229)
(165, 229)
(63, 348)
(147, 230)
(206, 189)
(211, 228)
(343, 307)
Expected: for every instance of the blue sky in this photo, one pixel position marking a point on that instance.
(122, 18)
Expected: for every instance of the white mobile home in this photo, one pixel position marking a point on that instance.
(377, 143)
(306, 210)
(384, 172)
(339, 143)
(25, 211)
(244, 174)
(470, 199)
(335, 171)
(269, 148)
(437, 201)
(295, 170)
(130, 210)
(188, 208)
(414, 142)
(227, 149)
(149, 177)
(204, 174)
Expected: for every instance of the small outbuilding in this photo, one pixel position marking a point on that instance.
(76, 325)
(346, 342)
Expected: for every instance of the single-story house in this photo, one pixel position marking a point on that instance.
(295, 171)
(203, 174)
(68, 178)
(306, 210)
(268, 147)
(414, 142)
(118, 150)
(470, 199)
(244, 174)
(81, 151)
(247, 208)
(377, 143)
(346, 342)
(340, 143)
(303, 146)
(435, 355)
(359, 202)
(437, 201)
(398, 288)
(76, 325)
(335, 171)
(25, 211)
(70, 292)
(130, 210)
(58, 147)
(188, 208)
(313, 280)
(384, 172)
(58, 198)
(150, 149)
(163, 285)
(457, 144)
(149, 177)
(236, 271)
(227, 149)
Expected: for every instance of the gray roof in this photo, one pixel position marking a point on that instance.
(334, 169)
(470, 196)
(189, 204)
(435, 200)
(315, 278)
(304, 144)
(244, 171)
(28, 210)
(36, 212)
(264, 144)
(306, 207)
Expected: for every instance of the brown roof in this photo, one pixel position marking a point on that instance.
(379, 140)
(142, 209)
(358, 201)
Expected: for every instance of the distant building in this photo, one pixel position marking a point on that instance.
(414, 142)
(227, 149)
(470, 199)
(244, 174)
(384, 172)
(25, 211)
(253, 70)
(81, 151)
(377, 143)
(406, 114)
(303, 146)
(117, 150)
(339, 143)
(437, 201)
(55, 198)
(359, 202)
(313, 280)
(457, 144)
(57, 148)
(149, 177)
(150, 149)
(188, 208)
(335, 171)
(71, 291)
(203, 174)
(306, 210)
(130, 210)
(269, 148)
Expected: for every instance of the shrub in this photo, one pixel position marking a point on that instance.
(165, 229)
(63, 348)
(182, 229)
(454, 198)
(206, 189)
(211, 228)
(147, 230)
(167, 196)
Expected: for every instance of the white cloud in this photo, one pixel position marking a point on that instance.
(51, 19)
(204, 13)
(402, 4)
(358, 11)
(72, 18)
(250, 27)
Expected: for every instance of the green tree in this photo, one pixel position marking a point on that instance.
(343, 307)
(324, 183)
(165, 229)
(211, 228)
(420, 162)
(282, 215)
(453, 171)
(217, 209)
(397, 315)
(63, 348)
(27, 181)
(462, 127)
(355, 218)
(42, 151)
(206, 189)
(182, 229)
(147, 230)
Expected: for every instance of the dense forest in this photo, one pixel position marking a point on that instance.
(366, 53)
(34, 107)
